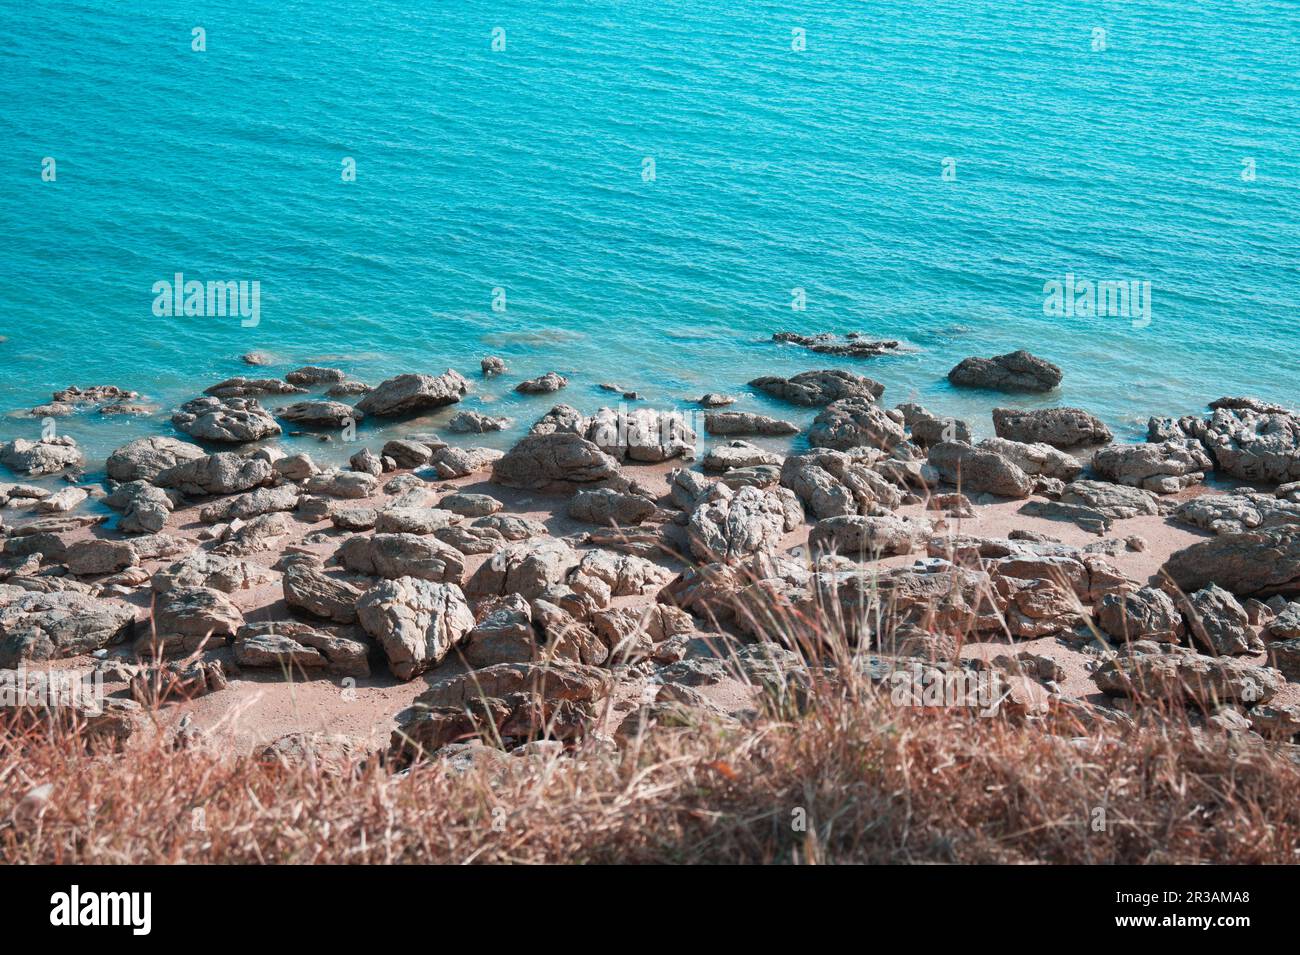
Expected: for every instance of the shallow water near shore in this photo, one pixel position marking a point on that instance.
(523, 170)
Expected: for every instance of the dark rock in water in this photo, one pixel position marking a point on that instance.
(813, 388)
(240, 387)
(257, 358)
(543, 384)
(852, 345)
(314, 375)
(1059, 427)
(329, 414)
(407, 394)
(492, 365)
(1015, 371)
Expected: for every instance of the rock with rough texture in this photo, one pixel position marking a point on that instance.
(1035, 459)
(492, 365)
(314, 375)
(402, 555)
(978, 470)
(542, 384)
(230, 420)
(541, 461)
(746, 422)
(1239, 511)
(738, 454)
(1250, 440)
(526, 567)
(407, 454)
(470, 505)
(38, 626)
(832, 483)
(60, 502)
(474, 422)
(1115, 501)
(1255, 563)
(322, 414)
(213, 571)
(602, 574)
(46, 456)
(855, 423)
(734, 525)
(450, 463)
(928, 428)
(1059, 427)
(607, 506)
(1164, 468)
(852, 345)
(187, 618)
(413, 520)
(96, 556)
(505, 635)
(814, 388)
(408, 394)
(642, 434)
(306, 587)
(871, 537)
(1206, 681)
(290, 646)
(262, 500)
(144, 458)
(1015, 371)
(1218, 623)
(416, 622)
(346, 484)
(1144, 614)
(144, 507)
(241, 387)
(221, 473)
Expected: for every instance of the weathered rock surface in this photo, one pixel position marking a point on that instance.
(1144, 614)
(738, 454)
(262, 500)
(306, 587)
(230, 420)
(416, 622)
(314, 375)
(736, 524)
(831, 483)
(319, 413)
(1206, 681)
(1238, 511)
(862, 536)
(474, 422)
(1255, 563)
(241, 387)
(144, 458)
(449, 463)
(813, 388)
(542, 384)
(289, 645)
(402, 555)
(603, 574)
(1164, 468)
(1218, 623)
(978, 470)
(1014, 371)
(213, 571)
(746, 422)
(1035, 459)
(541, 461)
(221, 473)
(408, 394)
(526, 567)
(187, 618)
(1059, 427)
(854, 423)
(1249, 439)
(38, 626)
(607, 506)
(46, 456)
(346, 484)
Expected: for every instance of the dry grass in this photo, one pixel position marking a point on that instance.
(876, 783)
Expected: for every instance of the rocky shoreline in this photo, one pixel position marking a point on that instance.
(616, 571)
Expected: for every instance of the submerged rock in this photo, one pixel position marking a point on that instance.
(1014, 371)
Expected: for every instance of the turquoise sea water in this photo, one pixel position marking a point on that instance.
(522, 169)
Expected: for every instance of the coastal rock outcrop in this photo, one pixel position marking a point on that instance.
(814, 388)
(1164, 468)
(411, 393)
(144, 458)
(979, 470)
(46, 456)
(42, 626)
(1255, 563)
(1059, 427)
(229, 420)
(415, 622)
(854, 423)
(222, 473)
(540, 461)
(746, 422)
(1014, 371)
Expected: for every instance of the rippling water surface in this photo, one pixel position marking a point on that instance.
(524, 170)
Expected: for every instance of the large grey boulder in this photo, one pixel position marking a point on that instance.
(187, 618)
(346, 484)
(1241, 510)
(221, 473)
(1219, 624)
(854, 423)
(402, 555)
(1143, 614)
(608, 506)
(143, 458)
(862, 536)
(306, 587)
(746, 422)
(1255, 563)
(1035, 459)
(733, 525)
(38, 626)
(1206, 681)
(831, 483)
(1059, 427)
(526, 567)
(541, 461)
(289, 646)
(408, 394)
(1249, 439)
(738, 454)
(450, 463)
(319, 413)
(814, 388)
(1164, 468)
(416, 622)
(46, 456)
(262, 500)
(1014, 371)
(978, 470)
(231, 420)
(213, 571)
